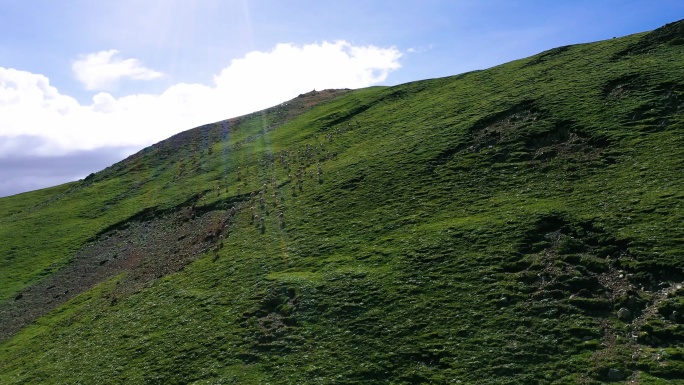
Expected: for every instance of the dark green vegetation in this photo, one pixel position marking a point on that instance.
(522, 224)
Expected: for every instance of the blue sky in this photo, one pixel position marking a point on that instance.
(85, 83)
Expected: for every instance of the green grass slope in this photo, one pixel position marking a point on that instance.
(521, 224)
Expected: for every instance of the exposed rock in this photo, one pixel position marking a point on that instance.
(624, 313)
(615, 375)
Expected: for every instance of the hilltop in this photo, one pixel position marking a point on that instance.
(520, 224)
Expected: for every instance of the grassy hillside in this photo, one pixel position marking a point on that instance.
(521, 224)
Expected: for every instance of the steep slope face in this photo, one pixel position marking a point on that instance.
(521, 224)
(43, 231)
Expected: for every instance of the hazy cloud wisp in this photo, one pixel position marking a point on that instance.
(102, 70)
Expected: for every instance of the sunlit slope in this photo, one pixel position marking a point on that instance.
(521, 224)
(40, 231)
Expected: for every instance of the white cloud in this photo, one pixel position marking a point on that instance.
(325, 65)
(30, 107)
(102, 70)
